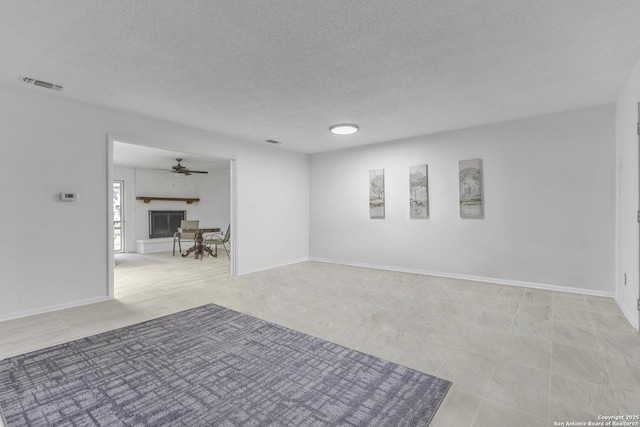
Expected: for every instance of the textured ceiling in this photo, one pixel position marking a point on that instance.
(288, 69)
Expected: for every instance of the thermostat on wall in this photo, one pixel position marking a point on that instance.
(69, 197)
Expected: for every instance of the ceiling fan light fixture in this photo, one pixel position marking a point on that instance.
(344, 129)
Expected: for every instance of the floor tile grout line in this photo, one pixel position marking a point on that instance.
(71, 328)
(606, 367)
(482, 398)
(495, 368)
(515, 409)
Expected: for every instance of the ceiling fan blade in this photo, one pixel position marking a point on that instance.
(180, 169)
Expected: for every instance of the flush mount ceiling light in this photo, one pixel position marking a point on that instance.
(344, 129)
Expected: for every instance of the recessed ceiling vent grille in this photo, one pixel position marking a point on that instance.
(46, 85)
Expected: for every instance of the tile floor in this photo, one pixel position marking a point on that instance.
(516, 356)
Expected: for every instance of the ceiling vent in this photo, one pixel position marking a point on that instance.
(46, 85)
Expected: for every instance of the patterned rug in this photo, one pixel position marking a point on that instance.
(211, 366)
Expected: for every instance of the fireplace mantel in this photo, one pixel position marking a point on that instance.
(148, 199)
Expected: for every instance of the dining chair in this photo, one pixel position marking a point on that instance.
(184, 237)
(218, 239)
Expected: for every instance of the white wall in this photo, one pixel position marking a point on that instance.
(628, 255)
(216, 199)
(549, 186)
(54, 254)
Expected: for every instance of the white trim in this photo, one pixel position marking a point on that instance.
(111, 261)
(55, 307)
(630, 316)
(280, 264)
(233, 267)
(618, 241)
(518, 283)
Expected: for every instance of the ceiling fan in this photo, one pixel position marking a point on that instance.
(179, 170)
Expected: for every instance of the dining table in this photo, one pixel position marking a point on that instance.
(198, 248)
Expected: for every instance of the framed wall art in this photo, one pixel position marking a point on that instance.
(376, 194)
(418, 192)
(471, 193)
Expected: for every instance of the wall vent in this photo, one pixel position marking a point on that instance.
(46, 85)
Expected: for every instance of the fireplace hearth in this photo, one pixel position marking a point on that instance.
(165, 223)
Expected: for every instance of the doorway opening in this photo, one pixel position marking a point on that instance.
(145, 180)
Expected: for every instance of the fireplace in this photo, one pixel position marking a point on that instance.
(164, 223)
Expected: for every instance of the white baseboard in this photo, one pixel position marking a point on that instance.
(534, 285)
(282, 264)
(55, 307)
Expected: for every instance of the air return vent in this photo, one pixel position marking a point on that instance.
(41, 83)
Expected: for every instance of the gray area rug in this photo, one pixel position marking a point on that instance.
(211, 366)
